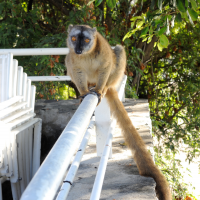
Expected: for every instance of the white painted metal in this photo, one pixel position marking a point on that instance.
(37, 146)
(20, 162)
(28, 93)
(36, 51)
(20, 120)
(46, 181)
(103, 119)
(12, 108)
(14, 192)
(16, 115)
(64, 191)
(6, 79)
(14, 86)
(49, 78)
(96, 190)
(9, 102)
(30, 151)
(16, 109)
(19, 80)
(10, 76)
(9, 155)
(24, 86)
(16, 132)
(32, 99)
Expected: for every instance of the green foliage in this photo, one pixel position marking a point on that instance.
(172, 167)
(173, 91)
(158, 20)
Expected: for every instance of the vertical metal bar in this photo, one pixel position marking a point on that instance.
(14, 86)
(46, 181)
(96, 190)
(2, 77)
(102, 119)
(24, 86)
(14, 178)
(23, 141)
(20, 161)
(37, 146)
(9, 154)
(28, 92)
(32, 100)
(14, 191)
(4, 140)
(64, 191)
(30, 150)
(10, 75)
(19, 80)
(18, 189)
(27, 162)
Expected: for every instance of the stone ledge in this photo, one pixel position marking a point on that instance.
(122, 180)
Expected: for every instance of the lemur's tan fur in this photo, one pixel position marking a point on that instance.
(103, 67)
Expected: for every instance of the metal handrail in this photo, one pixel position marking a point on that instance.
(46, 181)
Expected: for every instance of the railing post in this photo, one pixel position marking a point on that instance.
(103, 121)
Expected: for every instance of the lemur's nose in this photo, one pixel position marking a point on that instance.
(78, 51)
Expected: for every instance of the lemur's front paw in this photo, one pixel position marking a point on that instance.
(99, 95)
(92, 91)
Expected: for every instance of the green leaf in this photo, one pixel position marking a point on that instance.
(178, 18)
(186, 3)
(164, 41)
(180, 6)
(135, 18)
(194, 5)
(139, 24)
(152, 5)
(145, 39)
(198, 1)
(162, 30)
(98, 2)
(151, 30)
(144, 31)
(149, 39)
(160, 47)
(160, 4)
(193, 14)
(111, 3)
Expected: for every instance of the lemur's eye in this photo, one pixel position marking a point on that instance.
(87, 40)
(74, 39)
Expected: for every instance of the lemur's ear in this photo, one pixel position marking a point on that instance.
(94, 30)
(70, 28)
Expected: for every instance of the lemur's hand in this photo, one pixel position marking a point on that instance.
(92, 91)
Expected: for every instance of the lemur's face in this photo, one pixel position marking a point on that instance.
(81, 38)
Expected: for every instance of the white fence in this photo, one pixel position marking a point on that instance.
(47, 182)
(20, 132)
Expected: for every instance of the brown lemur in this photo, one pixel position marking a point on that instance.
(92, 62)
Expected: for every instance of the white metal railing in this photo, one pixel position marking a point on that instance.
(20, 133)
(48, 179)
(58, 160)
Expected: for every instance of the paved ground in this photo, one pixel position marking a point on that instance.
(122, 180)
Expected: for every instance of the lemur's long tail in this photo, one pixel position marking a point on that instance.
(140, 153)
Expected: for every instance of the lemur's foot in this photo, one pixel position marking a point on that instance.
(91, 92)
